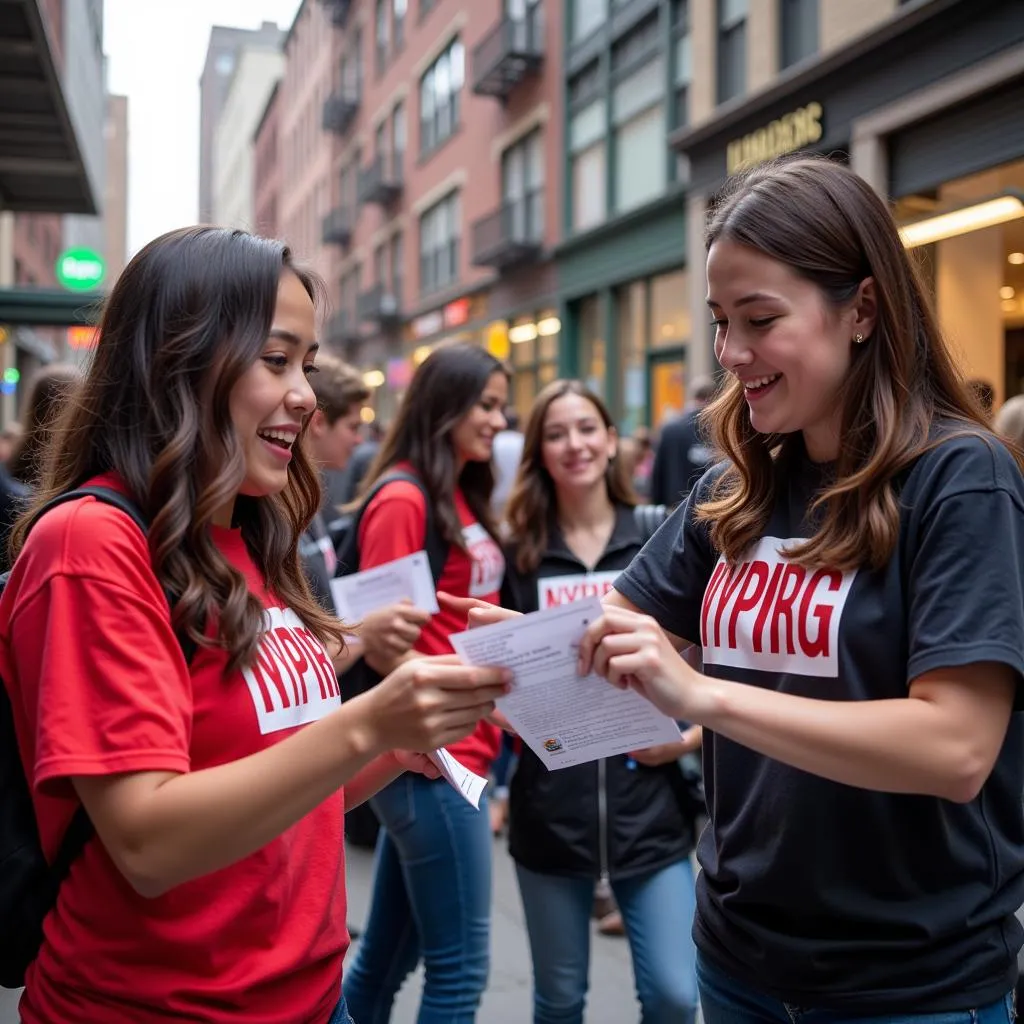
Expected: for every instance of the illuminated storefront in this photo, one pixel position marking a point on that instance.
(632, 341)
(929, 107)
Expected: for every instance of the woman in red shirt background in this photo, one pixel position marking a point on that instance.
(213, 889)
(432, 883)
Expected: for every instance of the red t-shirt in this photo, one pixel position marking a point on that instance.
(99, 685)
(394, 525)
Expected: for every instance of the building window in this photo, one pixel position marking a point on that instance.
(798, 30)
(522, 188)
(631, 335)
(641, 156)
(534, 358)
(587, 17)
(381, 34)
(380, 265)
(440, 233)
(398, 11)
(397, 257)
(398, 140)
(440, 88)
(682, 63)
(357, 59)
(589, 166)
(593, 347)
(586, 85)
(636, 47)
(732, 49)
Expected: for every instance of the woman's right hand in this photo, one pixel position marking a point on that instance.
(428, 703)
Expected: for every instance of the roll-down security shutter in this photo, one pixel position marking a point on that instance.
(968, 138)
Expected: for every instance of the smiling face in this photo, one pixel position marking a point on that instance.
(272, 399)
(576, 446)
(790, 349)
(473, 435)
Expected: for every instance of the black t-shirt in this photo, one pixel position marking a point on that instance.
(826, 895)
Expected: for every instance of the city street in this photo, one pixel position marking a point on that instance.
(507, 1000)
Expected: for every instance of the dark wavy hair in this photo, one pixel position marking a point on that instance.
(444, 388)
(49, 393)
(187, 318)
(533, 501)
(831, 228)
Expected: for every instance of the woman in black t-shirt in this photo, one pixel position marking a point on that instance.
(573, 527)
(852, 577)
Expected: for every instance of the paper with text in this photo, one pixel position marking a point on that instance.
(404, 579)
(565, 719)
(459, 777)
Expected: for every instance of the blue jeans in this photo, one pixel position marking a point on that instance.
(504, 765)
(657, 910)
(431, 899)
(340, 1015)
(724, 1000)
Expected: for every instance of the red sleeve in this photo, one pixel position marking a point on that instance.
(394, 525)
(100, 675)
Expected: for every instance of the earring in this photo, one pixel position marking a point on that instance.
(858, 338)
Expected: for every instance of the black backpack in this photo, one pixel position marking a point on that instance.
(648, 519)
(28, 884)
(345, 534)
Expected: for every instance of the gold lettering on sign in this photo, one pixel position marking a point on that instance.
(792, 131)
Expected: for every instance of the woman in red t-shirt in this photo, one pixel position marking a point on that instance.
(432, 886)
(213, 888)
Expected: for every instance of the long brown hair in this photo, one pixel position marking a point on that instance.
(49, 394)
(444, 388)
(187, 318)
(829, 227)
(533, 501)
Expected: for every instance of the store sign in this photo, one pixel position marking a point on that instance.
(82, 337)
(80, 270)
(498, 340)
(456, 313)
(398, 374)
(787, 134)
(429, 323)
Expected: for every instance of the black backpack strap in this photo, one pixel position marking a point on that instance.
(105, 494)
(434, 544)
(648, 518)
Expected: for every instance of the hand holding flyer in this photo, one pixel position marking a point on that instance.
(404, 579)
(564, 718)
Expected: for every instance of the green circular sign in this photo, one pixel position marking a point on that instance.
(80, 270)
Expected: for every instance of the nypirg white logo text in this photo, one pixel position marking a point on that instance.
(292, 680)
(772, 615)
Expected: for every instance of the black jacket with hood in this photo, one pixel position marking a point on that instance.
(610, 818)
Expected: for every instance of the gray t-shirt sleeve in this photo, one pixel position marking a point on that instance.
(965, 584)
(667, 578)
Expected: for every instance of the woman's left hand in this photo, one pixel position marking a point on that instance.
(409, 761)
(630, 650)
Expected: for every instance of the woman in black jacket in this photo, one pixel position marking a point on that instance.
(573, 525)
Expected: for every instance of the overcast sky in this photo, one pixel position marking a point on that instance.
(155, 52)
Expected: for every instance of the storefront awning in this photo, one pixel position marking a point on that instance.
(814, 104)
(49, 307)
(41, 166)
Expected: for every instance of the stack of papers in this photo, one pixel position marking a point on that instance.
(564, 718)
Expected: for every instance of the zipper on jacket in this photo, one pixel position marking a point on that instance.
(602, 818)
